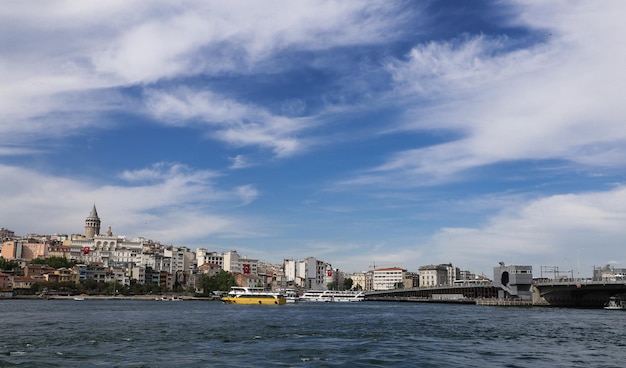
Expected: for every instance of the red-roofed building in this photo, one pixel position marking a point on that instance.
(248, 280)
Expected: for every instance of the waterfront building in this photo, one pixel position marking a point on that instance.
(433, 275)
(411, 279)
(6, 288)
(201, 256)
(358, 280)
(37, 271)
(467, 275)
(60, 251)
(180, 258)
(24, 250)
(309, 273)
(388, 278)
(609, 273)
(138, 274)
(248, 280)
(231, 262)
(23, 282)
(514, 281)
(6, 234)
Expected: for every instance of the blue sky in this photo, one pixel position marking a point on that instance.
(387, 133)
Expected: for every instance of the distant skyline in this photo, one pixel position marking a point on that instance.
(394, 133)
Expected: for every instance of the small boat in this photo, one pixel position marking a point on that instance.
(332, 296)
(292, 296)
(615, 303)
(245, 295)
(79, 298)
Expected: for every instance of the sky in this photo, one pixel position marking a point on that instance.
(366, 134)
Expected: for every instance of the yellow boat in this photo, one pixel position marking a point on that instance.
(245, 295)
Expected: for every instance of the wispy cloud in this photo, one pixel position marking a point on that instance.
(76, 56)
(557, 99)
(229, 121)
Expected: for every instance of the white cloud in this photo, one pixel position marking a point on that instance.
(167, 202)
(560, 230)
(247, 193)
(240, 162)
(555, 100)
(235, 123)
(64, 58)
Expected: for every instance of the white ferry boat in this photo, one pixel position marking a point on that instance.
(332, 296)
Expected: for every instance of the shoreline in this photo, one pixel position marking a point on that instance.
(82, 297)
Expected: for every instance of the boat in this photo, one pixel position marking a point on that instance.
(246, 295)
(615, 303)
(332, 296)
(292, 296)
(79, 298)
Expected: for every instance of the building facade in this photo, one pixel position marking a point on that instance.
(388, 278)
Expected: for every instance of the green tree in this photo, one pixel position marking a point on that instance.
(54, 262)
(331, 286)
(7, 264)
(222, 281)
(347, 283)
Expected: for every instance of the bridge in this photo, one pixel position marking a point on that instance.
(448, 293)
(580, 293)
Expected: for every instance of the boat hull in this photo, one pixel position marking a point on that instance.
(254, 300)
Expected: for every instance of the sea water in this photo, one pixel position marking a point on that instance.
(142, 333)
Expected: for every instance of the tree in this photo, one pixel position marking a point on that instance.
(347, 283)
(223, 281)
(54, 262)
(331, 286)
(7, 264)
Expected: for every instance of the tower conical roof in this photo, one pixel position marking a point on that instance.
(94, 212)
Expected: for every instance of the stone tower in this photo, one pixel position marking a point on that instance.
(92, 224)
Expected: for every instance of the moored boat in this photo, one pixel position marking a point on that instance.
(332, 296)
(245, 295)
(292, 296)
(615, 303)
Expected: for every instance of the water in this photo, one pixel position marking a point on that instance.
(133, 333)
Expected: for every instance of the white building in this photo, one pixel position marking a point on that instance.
(433, 275)
(388, 278)
(231, 262)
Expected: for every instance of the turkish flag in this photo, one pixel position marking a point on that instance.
(86, 250)
(329, 273)
(246, 268)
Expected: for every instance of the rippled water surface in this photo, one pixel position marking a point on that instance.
(125, 333)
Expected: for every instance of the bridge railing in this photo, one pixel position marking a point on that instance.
(579, 281)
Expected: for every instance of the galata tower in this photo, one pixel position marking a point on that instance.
(92, 224)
